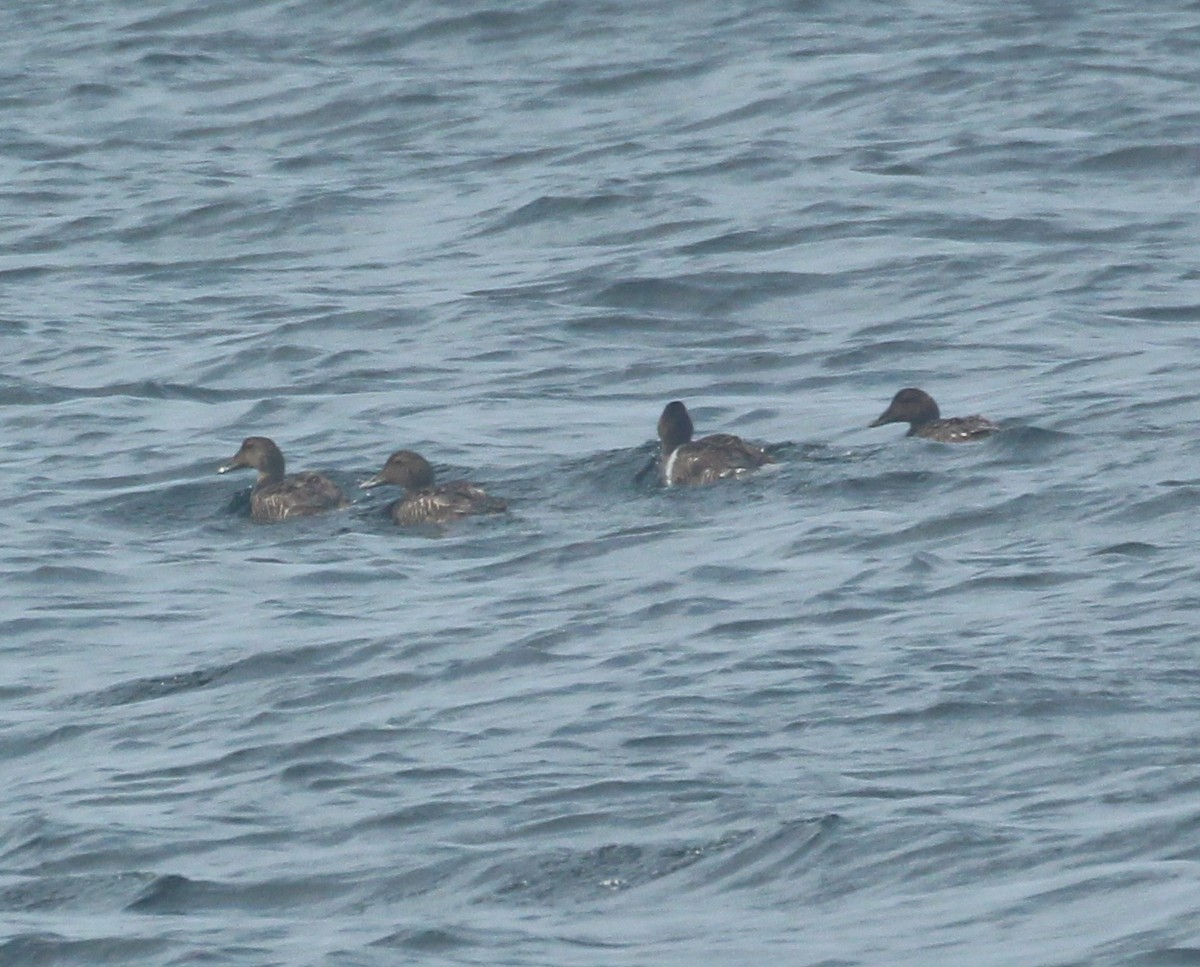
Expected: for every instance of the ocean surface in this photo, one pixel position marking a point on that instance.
(891, 702)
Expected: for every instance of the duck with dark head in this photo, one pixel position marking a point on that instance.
(426, 502)
(275, 496)
(711, 458)
(917, 408)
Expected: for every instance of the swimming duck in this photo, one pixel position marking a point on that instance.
(275, 496)
(688, 461)
(425, 503)
(917, 408)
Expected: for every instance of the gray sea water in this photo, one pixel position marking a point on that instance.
(895, 702)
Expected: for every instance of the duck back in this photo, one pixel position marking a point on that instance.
(957, 429)
(446, 502)
(712, 458)
(296, 496)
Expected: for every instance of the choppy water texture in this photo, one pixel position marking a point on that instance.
(894, 703)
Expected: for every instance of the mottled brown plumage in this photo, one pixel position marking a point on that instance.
(703, 461)
(276, 497)
(918, 409)
(425, 502)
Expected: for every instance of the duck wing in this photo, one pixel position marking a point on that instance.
(296, 496)
(446, 502)
(958, 429)
(713, 458)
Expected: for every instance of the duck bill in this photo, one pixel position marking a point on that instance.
(883, 418)
(370, 482)
(231, 465)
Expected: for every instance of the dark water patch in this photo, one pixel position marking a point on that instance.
(757, 164)
(309, 161)
(58, 575)
(153, 390)
(1005, 514)
(323, 319)
(1072, 888)
(375, 42)
(783, 853)
(356, 577)
(571, 553)
(163, 509)
(33, 741)
(572, 822)
(1163, 313)
(29, 837)
(606, 325)
(150, 689)
(717, 575)
(328, 774)
(1177, 160)
(746, 360)
(179, 18)
(707, 294)
(202, 219)
(834, 617)
(34, 949)
(94, 94)
(539, 649)
(495, 25)
(1138, 549)
(431, 940)
(678, 743)
(999, 705)
(253, 217)
(339, 116)
(166, 65)
(43, 150)
(761, 240)
(659, 231)
(570, 876)
(1028, 580)
(1176, 400)
(268, 664)
(883, 351)
(341, 743)
(747, 627)
(323, 693)
(9, 693)
(238, 505)
(196, 269)
(1018, 442)
(1038, 231)
(891, 482)
(177, 895)
(759, 107)
(63, 235)
(1177, 500)
(610, 793)
(604, 81)
(555, 208)
(432, 811)
(1167, 957)
(25, 272)
(93, 892)
(883, 164)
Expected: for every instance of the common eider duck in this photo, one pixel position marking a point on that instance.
(703, 461)
(917, 408)
(275, 496)
(425, 503)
